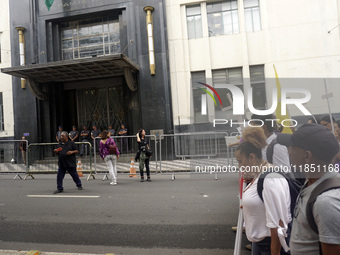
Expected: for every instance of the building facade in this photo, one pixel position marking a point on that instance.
(6, 99)
(238, 42)
(88, 62)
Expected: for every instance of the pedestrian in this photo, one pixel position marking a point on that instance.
(337, 130)
(143, 146)
(277, 154)
(111, 130)
(95, 134)
(327, 122)
(263, 219)
(66, 151)
(124, 140)
(74, 134)
(57, 137)
(23, 149)
(85, 138)
(313, 120)
(316, 227)
(110, 157)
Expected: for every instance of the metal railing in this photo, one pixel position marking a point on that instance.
(12, 159)
(184, 152)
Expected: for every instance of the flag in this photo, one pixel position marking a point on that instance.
(49, 3)
(286, 130)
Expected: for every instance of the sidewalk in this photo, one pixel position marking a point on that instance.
(35, 252)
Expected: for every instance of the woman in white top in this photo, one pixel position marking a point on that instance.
(262, 218)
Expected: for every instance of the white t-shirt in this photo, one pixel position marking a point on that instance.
(260, 216)
(280, 153)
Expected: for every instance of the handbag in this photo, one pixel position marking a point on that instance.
(148, 152)
(112, 149)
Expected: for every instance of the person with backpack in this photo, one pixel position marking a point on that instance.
(266, 221)
(316, 228)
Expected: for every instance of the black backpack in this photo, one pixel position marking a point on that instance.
(294, 190)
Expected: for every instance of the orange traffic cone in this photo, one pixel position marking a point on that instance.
(79, 169)
(132, 169)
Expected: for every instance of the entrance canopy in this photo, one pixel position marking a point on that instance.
(75, 69)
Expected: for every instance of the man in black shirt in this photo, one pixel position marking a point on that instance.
(66, 151)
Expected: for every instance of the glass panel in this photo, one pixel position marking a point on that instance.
(193, 10)
(75, 44)
(114, 48)
(234, 5)
(249, 20)
(76, 53)
(114, 37)
(217, 7)
(67, 54)
(66, 44)
(198, 24)
(227, 20)
(256, 73)
(95, 40)
(236, 28)
(91, 51)
(259, 96)
(191, 27)
(95, 30)
(251, 3)
(211, 27)
(256, 19)
(218, 23)
(226, 6)
(114, 27)
(106, 28)
(209, 8)
(67, 33)
(235, 76)
(83, 31)
(198, 77)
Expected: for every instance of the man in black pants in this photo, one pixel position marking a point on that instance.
(67, 151)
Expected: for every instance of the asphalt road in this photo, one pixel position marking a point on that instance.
(191, 215)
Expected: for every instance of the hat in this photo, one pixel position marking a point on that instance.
(314, 138)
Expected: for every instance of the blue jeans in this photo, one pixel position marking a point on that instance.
(61, 174)
(262, 247)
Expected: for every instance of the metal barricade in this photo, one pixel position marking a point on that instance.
(42, 159)
(128, 148)
(12, 159)
(187, 152)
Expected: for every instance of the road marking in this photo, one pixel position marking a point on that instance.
(66, 196)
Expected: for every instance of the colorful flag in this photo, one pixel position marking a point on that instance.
(49, 4)
(286, 130)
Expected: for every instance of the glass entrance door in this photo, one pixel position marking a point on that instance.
(101, 107)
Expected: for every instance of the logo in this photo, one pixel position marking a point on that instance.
(238, 102)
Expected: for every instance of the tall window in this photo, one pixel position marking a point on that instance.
(257, 81)
(2, 125)
(252, 15)
(197, 97)
(223, 17)
(194, 21)
(226, 76)
(87, 38)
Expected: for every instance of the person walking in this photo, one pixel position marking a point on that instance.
(143, 146)
(110, 157)
(67, 151)
(264, 219)
(312, 148)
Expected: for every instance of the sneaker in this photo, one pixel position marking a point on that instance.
(80, 188)
(248, 247)
(58, 191)
(148, 180)
(113, 183)
(142, 179)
